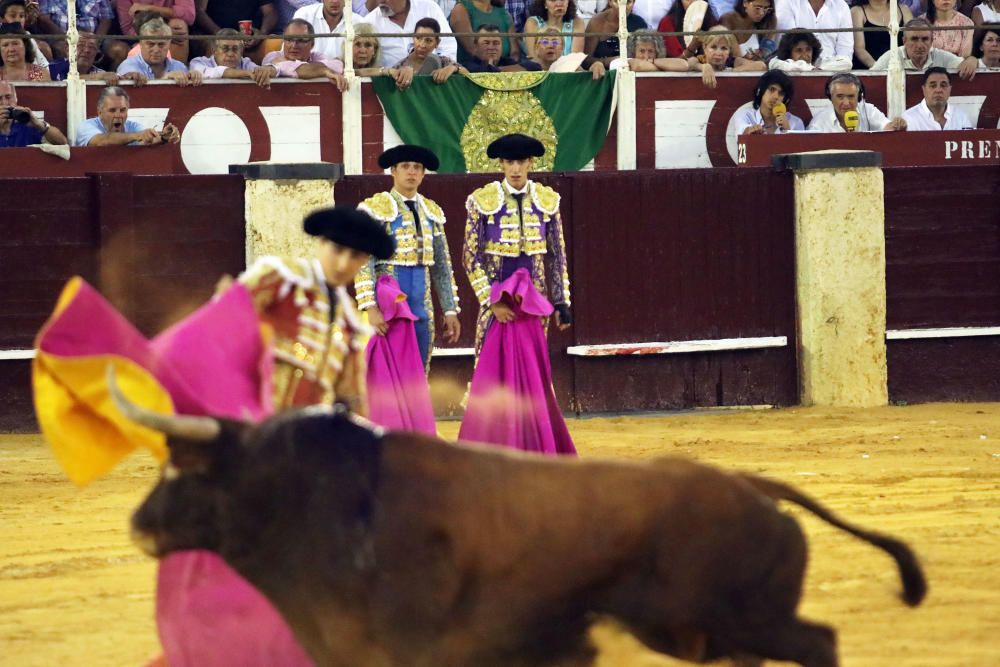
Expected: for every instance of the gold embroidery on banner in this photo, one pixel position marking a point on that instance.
(507, 81)
(500, 113)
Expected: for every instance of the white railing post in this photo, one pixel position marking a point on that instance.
(626, 95)
(76, 88)
(895, 79)
(351, 101)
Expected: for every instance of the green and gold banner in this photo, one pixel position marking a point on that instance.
(568, 113)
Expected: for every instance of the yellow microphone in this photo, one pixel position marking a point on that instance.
(850, 121)
(779, 108)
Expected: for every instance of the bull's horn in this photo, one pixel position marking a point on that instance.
(185, 427)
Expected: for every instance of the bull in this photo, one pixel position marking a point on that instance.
(397, 549)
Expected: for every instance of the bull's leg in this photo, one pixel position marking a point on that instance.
(808, 644)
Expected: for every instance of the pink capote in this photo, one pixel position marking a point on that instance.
(511, 401)
(210, 616)
(398, 397)
(212, 362)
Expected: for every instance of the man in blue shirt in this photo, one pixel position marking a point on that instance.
(152, 61)
(19, 126)
(112, 127)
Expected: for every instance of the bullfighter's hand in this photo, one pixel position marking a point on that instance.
(377, 320)
(502, 312)
(452, 328)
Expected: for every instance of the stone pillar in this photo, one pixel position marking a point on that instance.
(278, 196)
(840, 277)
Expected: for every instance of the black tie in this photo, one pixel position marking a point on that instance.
(519, 196)
(412, 205)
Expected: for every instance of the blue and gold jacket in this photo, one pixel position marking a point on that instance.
(428, 248)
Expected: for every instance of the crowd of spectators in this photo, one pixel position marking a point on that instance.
(128, 40)
(587, 27)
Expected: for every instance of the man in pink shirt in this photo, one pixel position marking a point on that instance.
(298, 60)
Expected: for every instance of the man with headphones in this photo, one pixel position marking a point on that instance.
(850, 112)
(769, 114)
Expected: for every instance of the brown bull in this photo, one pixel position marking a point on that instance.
(404, 550)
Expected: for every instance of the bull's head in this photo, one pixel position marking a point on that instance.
(183, 509)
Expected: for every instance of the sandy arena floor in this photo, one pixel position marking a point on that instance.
(73, 591)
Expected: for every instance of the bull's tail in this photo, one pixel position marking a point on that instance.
(914, 582)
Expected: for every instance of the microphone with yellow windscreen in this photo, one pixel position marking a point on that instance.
(850, 121)
(779, 109)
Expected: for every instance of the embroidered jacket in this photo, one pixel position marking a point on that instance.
(319, 359)
(428, 248)
(494, 231)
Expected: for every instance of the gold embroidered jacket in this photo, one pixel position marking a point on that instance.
(319, 359)
(493, 230)
(428, 249)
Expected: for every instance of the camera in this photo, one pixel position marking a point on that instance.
(19, 115)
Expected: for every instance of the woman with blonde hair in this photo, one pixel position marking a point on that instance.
(720, 52)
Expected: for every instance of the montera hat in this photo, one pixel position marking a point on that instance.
(409, 153)
(349, 227)
(515, 147)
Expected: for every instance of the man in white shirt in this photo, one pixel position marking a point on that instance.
(934, 112)
(401, 16)
(918, 54)
(846, 92)
(773, 88)
(815, 14)
(328, 16)
(652, 11)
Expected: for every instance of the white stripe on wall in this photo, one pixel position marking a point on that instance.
(676, 347)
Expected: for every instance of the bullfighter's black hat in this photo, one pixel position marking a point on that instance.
(347, 226)
(515, 147)
(409, 153)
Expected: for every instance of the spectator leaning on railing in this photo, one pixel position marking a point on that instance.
(227, 61)
(111, 126)
(488, 55)
(19, 126)
(422, 60)
(918, 54)
(297, 59)
(934, 112)
(152, 63)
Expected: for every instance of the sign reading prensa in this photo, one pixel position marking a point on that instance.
(898, 149)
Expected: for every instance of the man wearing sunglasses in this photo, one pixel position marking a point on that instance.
(298, 60)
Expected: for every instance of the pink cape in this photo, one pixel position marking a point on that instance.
(209, 615)
(216, 362)
(398, 397)
(511, 401)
